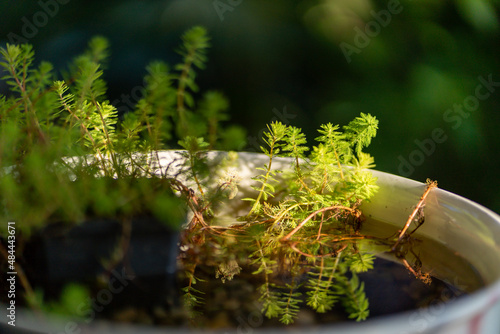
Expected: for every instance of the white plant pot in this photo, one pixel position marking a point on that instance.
(459, 224)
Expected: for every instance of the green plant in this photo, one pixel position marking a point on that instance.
(303, 224)
(44, 121)
(56, 130)
(317, 225)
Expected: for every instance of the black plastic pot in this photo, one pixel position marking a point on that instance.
(144, 274)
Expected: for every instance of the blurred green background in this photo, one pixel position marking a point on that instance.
(415, 65)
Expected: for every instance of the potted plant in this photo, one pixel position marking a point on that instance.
(290, 234)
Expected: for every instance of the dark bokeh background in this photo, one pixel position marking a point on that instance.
(283, 59)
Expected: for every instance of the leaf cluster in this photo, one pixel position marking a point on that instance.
(318, 222)
(274, 139)
(46, 117)
(65, 131)
(311, 235)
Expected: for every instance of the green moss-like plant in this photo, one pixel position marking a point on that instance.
(66, 154)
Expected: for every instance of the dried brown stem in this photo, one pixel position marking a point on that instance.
(321, 225)
(329, 208)
(424, 277)
(430, 185)
(292, 246)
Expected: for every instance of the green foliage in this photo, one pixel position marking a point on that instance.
(360, 131)
(289, 303)
(195, 157)
(354, 299)
(213, 108)
(361, 262)
(86, 71)
(44, 119)
(72, 297)
(168, 103)
(295, 143)
(318, 222)
(335, 140)
(154, 113)
(273, 138)
(321, 295)
(193, 52)
(66, 132)
(191, 295)
(296, 148)
(27, 104)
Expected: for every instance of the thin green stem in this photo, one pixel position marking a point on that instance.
(300, 176)
(28, 104)
(338, 163)
(108, 138)
(262, 188)
(198, 183)
(86, 131)
(181, 90)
